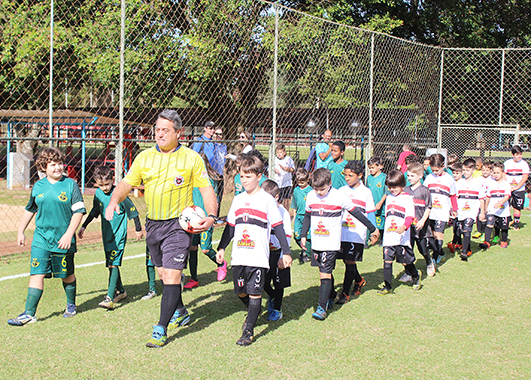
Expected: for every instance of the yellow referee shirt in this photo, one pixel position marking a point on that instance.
(168, 180)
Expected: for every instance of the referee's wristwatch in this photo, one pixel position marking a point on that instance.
(214, 217)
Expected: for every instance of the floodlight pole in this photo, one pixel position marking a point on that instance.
(50, 104)
(272, 147)
(118, 155)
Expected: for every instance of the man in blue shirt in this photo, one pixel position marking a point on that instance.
(206, 146)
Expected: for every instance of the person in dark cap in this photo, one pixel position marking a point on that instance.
(206, 145)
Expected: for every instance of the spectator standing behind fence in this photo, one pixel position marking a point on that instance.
(406, 151)
(169, 172)
(245, 139)
(324, 151)
(220, 151)
(206, 145)
(284, 167)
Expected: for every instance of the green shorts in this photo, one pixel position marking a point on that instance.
(204, 239)
(114, 258)
(59, 265)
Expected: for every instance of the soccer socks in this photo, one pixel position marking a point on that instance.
(171, 295)
(211, 254)
(245, 300)
(255, 307)
(488, 232)
(114, 274)
(457, 233)
(325, 291)
(412, 270)
(192, 259)
(70, 291)
(34, 296)
(388, 274)
(466, 242)
(504, 235)
(279, 294)
(422, 246)
(438, 251)
(481, 225)
(151, 277)
(350, 273)
(269, 290)
(516, 223)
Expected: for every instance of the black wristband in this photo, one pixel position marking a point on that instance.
(213, 216)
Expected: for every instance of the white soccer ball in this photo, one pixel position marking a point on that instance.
(190, 218)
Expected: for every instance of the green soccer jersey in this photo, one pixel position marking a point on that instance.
(338, 173)
(298, 202)
(54, 204)
(198, 198)
(113, 232)
(378, 188)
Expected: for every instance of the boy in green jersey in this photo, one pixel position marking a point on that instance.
(59, 206)
(113, 232)
(376, 184)
(337, 165)
(298, 203)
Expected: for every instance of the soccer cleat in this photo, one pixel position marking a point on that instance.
(149, 295)
(405, 278)
(270, 302)
(503, 244)
(417, 283)
(342, 299)
(495, 239)
(330, 304)
(107, 303)
(22, 319)
(179, 320)
(222, 271)
(440, 259)
(246, 338)
(319, 314)
(356, 292)
(306, 259)
(191, 284)
(458, 247)
(118, 296)
(158, 338)
(484, 245)
(477, 235)
(275, 315)
(431, 269)
(384, 291)
(70, 311)
(451, 247)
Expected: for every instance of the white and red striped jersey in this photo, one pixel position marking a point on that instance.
(352, 229)
(397, 210)
(469, 195)
(286, 221)
(252, 217)
(326, 216)
(514, 171)
(441, 189)
(495, 193)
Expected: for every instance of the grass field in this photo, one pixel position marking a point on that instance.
(470, 321)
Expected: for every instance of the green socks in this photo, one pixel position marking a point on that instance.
(34, 296)
(70, 290)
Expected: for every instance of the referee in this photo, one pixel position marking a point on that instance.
(169, 172)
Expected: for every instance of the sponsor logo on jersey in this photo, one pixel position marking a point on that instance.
(436, 203)
(35, 263)
(349, 223)
(179, 180)
(40, 195)
(393, 227)
(63, 197)
(379, 185)
(466, 207)
(132, 208)
(245, 241)
(321, 229)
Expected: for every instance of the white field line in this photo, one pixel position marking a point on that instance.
(81, 265)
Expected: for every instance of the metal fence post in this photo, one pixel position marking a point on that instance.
(118, 157)
(439, 131)
(502, 80)
(50, 115)
(275, 84)
(368, 153)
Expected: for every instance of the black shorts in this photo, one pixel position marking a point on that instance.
(502, 222)
(402, 254)
(249, 280)
(517, 200)
(351, 251)
(325, 260)
(438, 225)
(285, 193)
(424, 232)
(168, 243)
(281, 277)
(466, 225)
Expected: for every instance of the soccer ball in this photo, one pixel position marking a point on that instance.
(190, 218)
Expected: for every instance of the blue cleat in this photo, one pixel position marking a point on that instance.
(158, 338)
(319, 314)
(179, 320)
(330, 304)
(275, 315)
(270, 305)
(22, 319)
(70, 310)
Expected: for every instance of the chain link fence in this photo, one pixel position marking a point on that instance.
(283, 76)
